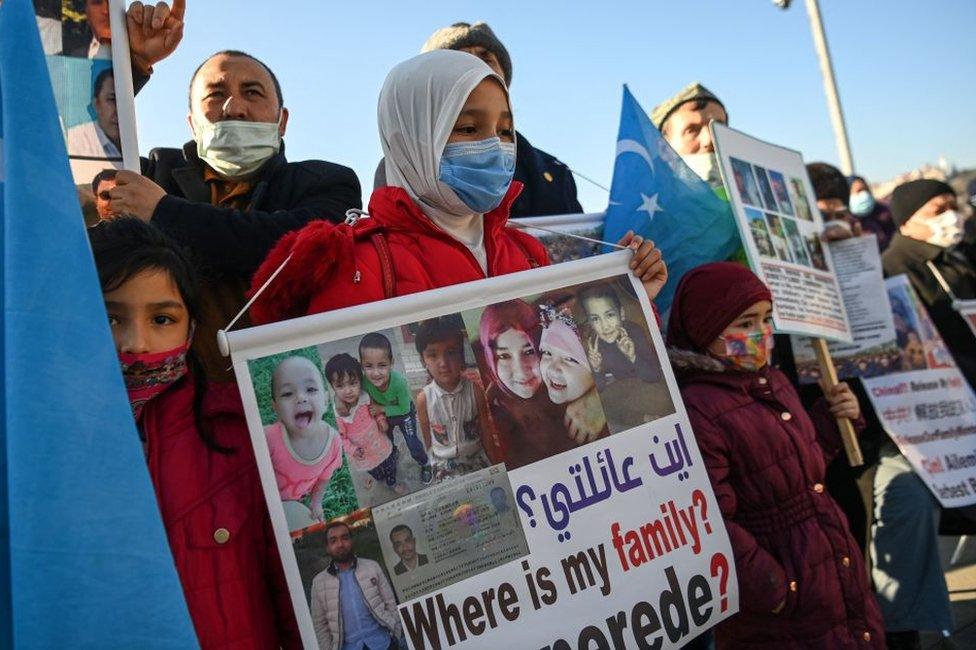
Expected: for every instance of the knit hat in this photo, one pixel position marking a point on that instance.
(708, 299)
(690, 93)
(462, 35)
(909, 197)
(828, 182)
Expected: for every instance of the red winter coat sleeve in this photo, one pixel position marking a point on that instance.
(762, 580)
(828, 434)
(314, 254)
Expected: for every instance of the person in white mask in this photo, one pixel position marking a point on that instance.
(229, 194)
(683, 121)
(932, 227)
(448, 134)
(932, 248)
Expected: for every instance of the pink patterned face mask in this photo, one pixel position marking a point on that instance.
(748, 351)
(149, 374)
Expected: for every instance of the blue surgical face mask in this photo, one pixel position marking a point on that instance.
(862, 203)
(479, 172)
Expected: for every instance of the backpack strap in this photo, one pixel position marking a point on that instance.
(386, 263)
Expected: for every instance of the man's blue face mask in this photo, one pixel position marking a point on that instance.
(479, 172)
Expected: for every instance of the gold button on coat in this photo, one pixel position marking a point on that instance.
(867, 636)
(221, 535)
(763, 381)
(793, 585)
(547, 176)
(786, 416)
(846, 561)
(818, 488)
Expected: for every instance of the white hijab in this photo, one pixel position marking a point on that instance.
(419, 104)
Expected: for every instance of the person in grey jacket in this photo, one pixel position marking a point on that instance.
(352, 601)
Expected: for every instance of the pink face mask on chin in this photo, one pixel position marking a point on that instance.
(147, 375)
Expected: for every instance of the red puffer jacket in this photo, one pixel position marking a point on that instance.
(766, 459)
(339, 266)
(217, 521)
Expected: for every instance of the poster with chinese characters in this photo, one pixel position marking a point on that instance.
(926, 405)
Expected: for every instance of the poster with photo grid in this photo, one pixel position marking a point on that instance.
(775, 209)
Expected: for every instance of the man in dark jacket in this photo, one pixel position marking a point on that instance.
(911, 586)
(932, 233)
(230, 194)
(549, 185)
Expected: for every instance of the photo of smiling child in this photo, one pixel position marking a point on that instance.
(364, 435)
(452, 410)
(566, 370)
(628, 373)
(617, 348)
(305, 450)
(390, 394)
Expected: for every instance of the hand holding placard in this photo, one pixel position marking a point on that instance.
(851, 446)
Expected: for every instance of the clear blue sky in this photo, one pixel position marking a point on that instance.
(905, 69)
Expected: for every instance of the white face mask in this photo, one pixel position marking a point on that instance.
(946, 228)
(234, 148)
(705, 165)
(840, 224)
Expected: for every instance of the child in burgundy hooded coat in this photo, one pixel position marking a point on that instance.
(802, 583)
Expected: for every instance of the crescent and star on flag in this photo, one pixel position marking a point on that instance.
(649, 204)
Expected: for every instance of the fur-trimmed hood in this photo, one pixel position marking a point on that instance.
(334, 266)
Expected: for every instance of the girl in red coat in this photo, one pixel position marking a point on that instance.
(802, 583)
(197, 445)
(448, 138)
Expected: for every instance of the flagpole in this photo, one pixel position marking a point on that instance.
(830, 87)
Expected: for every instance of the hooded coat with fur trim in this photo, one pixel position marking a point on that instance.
(335, 266)
(766, 458)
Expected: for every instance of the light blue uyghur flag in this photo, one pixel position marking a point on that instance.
(84, 560)
(658, 196)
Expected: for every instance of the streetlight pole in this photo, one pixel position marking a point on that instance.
(830, 83)
(830, 87)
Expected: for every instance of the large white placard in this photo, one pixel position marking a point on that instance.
(925, 403)
(590, 520)
(774, 205)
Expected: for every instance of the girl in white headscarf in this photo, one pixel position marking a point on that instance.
(448, 137)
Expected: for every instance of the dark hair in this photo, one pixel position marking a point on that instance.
(335, 524)
(400, 528)
(101, 79)
(104, 175)
(600, 291)
(828, 182)
(343, 365)
(435, 330)
(274, 79)
(376, 341)
(125, 247)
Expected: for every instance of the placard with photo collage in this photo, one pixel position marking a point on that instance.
(781, 230)
(434, 445)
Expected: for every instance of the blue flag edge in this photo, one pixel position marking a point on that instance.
(91, 569)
